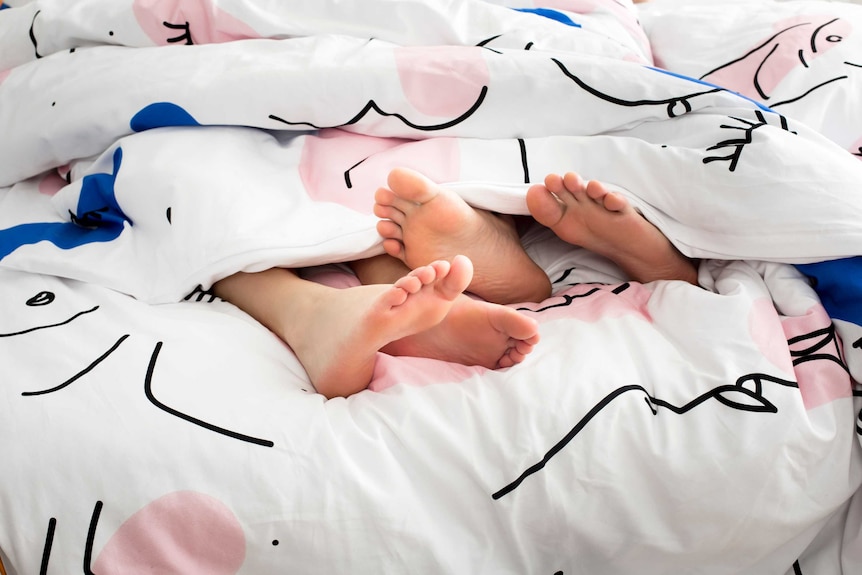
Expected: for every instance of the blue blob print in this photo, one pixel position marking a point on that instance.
(839, 285)
(98, 218)
(552, 14)
(3, 6)
(161, 115)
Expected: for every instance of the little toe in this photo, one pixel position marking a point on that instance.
(615, 202)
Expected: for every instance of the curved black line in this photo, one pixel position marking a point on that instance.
(91, 537)
(670, 102)
(817, 30)
(32, 329)
(827, 331)
(347, 181)
(81, 373)
(853, 64)
(753, 50)
(801, 55)
(40, 299)
(567, 301)
(524, 165)
(756, 79)
(797, 569)
(621, 288)
(488, 40)
(858, 343)
(372, 105)
(148, 381)
(818, 86)
(33, 35)
(718, 393)
(528, 46)
(49, 543)
(819, 356)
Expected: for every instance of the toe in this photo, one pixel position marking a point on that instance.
(615, 202)
(390, 230)
(394, 248)
(411, 185)
(545, 207)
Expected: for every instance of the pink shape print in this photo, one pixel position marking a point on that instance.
(52, 182)
(442, 81)
(592, 303)
(4, 74)
(796, 43)
(767, 333)
(189, 22)
(345, 168)
(418, 371)
(182, 532)
(816, 349)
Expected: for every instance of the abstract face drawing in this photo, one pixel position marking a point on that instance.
(797, 44)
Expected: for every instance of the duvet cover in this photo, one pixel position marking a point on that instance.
(152, 147)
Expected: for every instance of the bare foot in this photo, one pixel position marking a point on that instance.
(423, 222)
(474, 332)
(589, 215)
(336, 333)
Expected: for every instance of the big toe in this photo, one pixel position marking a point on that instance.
(411, 185)
(458, 277)
(544, 206)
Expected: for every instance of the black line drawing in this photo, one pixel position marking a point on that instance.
(568, 299)
(185, 37)
(33, 35)
(776, 41)
(40, 299)
(524, 164)
(148, 391)
(49, 543)
(672, 105)
(200, 294)
(81, 373)
(736, 396)
(64, 322)
(737, 145)
(91, 537)
(372, 105)
(824, 337)
(347, 180)
(746, 394)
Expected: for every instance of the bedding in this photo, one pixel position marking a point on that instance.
(153, 147)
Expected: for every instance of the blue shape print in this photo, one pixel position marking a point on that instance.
(161, 115)
(4, 6)
(99, 218)
(552, 14)
(839, 285)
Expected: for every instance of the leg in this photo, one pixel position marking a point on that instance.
(423, 222)
(474, 332)
(336, 333)
(587, 214)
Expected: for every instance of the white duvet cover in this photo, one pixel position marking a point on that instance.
(152, 147)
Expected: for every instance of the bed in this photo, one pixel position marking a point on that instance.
(152, 147)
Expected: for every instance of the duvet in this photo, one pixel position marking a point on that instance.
(152, 147)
